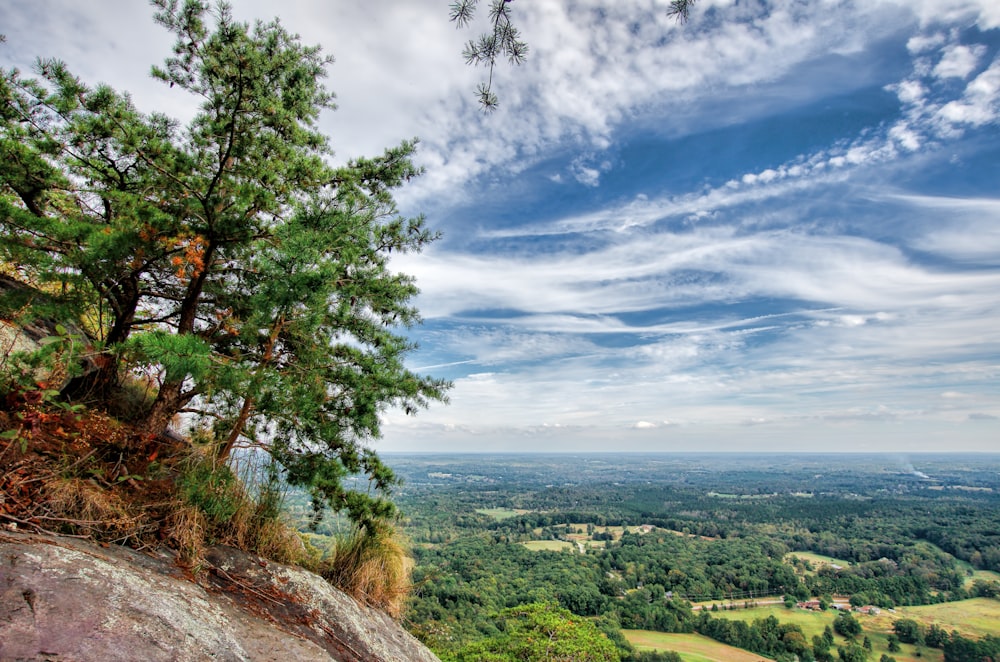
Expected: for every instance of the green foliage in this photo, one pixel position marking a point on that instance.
(654, 656)
(541, 631)
(961, 649)
(852, 652)
(982, 588)
(179, 356)
(224, 258)
(936, 636)
(217, 507)
(766, 636)
(211, 488)
(908, 631)
(846, 625)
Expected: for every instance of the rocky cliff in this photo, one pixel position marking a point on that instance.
(69, 599)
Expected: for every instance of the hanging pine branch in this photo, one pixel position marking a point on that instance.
(504, 40)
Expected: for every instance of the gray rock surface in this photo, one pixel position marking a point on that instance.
(68, 599)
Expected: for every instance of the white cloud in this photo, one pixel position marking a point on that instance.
(587, 176)
(959, 60)
(923, 43)
(979, 105)
(398, 72)
(876, 338)
(972, 233)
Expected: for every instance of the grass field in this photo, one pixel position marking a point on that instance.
(818, 559)
(985, 575)
(692, 647)
(877, 628)
(976, 617)
(501, 514)
(811, 622)
(972, 618)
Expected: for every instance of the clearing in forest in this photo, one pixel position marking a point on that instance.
(813, 623)
(692, 647)
(975, 617)
(818, 560)
(500, 514)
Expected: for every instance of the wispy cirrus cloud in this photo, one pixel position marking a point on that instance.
(771, 227)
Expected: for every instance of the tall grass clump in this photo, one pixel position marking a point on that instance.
(371, 564)
(218, 508)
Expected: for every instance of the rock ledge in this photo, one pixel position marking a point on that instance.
(69, 599)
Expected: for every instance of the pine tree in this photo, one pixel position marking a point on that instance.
(225, 257)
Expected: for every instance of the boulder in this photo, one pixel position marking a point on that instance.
(70, 599)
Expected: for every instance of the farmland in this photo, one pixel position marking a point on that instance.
(692, 647)
(680, 546)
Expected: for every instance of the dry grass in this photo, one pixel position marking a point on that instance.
(372, 565)
(186, 526)
(91, 508)
(265, 535)
(231, 515)
(87, 474)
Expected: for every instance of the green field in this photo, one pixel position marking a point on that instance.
(877, 628)
(550, 545)
(975, 618)
(578, 532)
(692, 647)
(501, 514)
(818, 559)
(696, 648)
(811, 622)
(985, 575)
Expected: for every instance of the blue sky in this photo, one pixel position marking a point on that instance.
(775, 228)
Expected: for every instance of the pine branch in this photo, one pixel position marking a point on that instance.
(505, 40)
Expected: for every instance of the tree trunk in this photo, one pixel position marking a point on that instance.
(95, 384)
(234, 434)
(99, 383)
(169, 400)
(248, 402)
(171, 397)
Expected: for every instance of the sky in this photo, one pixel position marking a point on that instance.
(773, 228)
